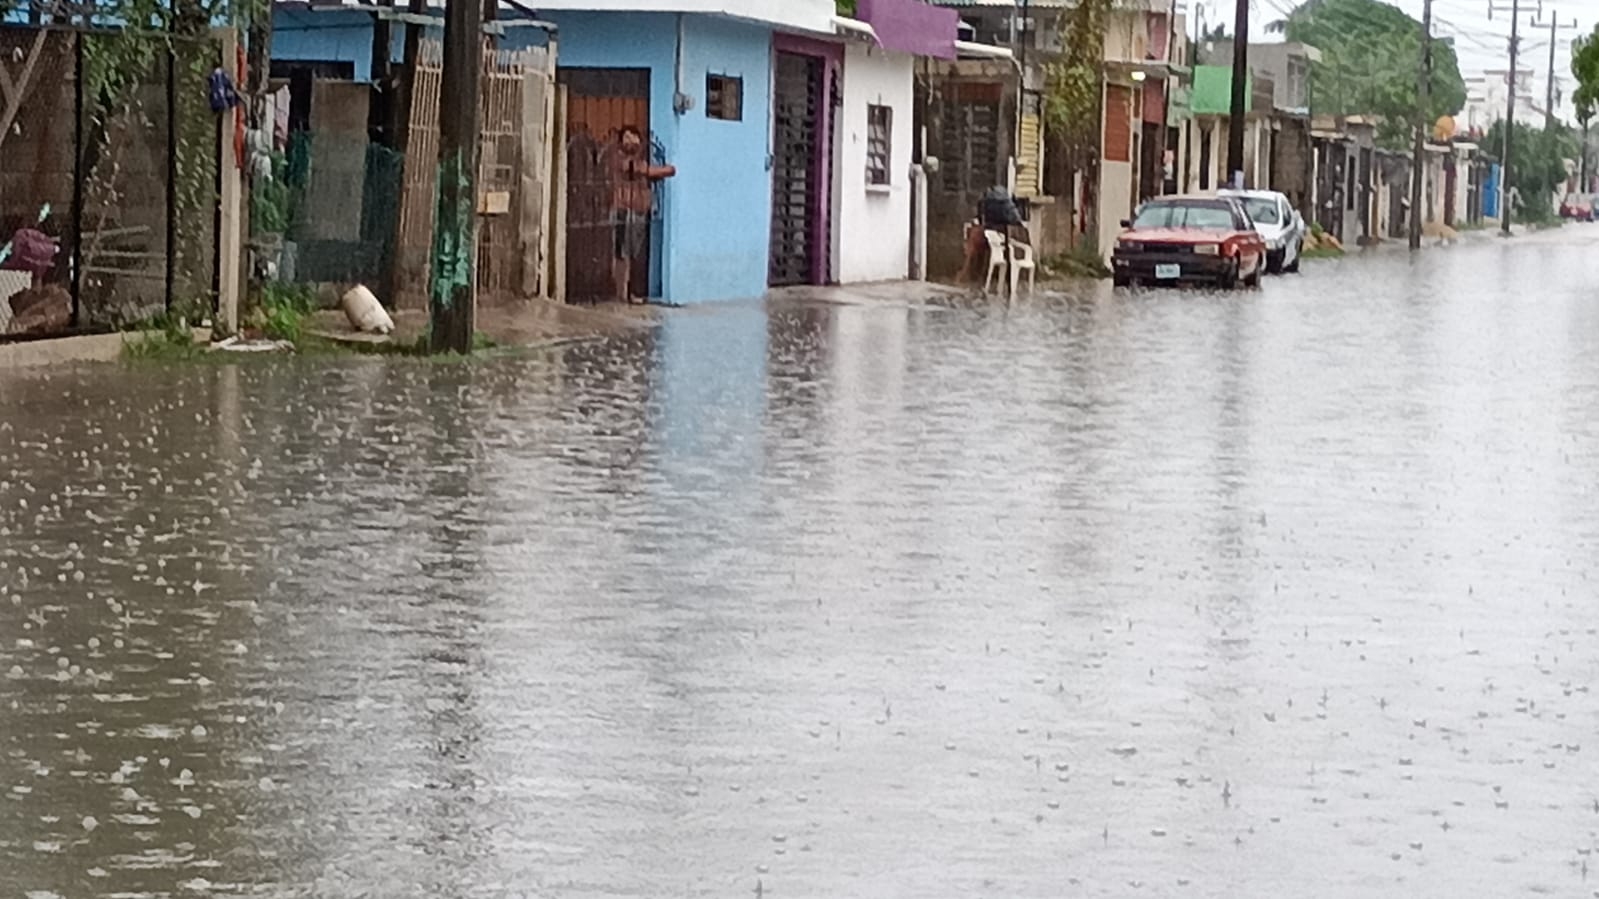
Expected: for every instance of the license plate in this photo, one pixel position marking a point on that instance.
(1168, 272)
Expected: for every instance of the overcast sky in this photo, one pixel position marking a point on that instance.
(1480, 43)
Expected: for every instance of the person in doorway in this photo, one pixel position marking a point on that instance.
(632, 199)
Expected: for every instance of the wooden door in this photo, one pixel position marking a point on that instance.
(600, 103)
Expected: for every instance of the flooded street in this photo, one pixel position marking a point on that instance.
(1276, 593)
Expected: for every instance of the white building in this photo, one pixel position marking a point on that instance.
(875, 187)
(875, 149)
(1486, 98)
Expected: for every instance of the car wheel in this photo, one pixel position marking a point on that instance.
(1229, 279)
(1274, 261)
(1292, 268)
(1254, 277)
(1121, 281)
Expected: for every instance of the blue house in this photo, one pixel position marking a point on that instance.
(733, 93)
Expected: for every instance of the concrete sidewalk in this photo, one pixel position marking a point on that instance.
(529, 323)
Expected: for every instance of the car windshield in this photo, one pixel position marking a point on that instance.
(1206, 216)
(1263, 210)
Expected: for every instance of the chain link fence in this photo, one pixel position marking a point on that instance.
(108, 176)
(329, 210)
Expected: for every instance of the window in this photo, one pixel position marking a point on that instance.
(724, 98)
(879, 144)
(1264, 210)
(1189, 214)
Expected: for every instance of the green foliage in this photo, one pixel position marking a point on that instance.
(273, 202)
(1585, 68)
(1072, 78)
(169, 335)
(845, 7)
(1081, 261)
(1370, 52)
(282, 310)
(1537, 164)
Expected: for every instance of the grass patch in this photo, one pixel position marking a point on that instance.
(282, 310)
(169, 335)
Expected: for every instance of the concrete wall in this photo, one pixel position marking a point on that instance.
(1291, 164)
(874, 223)
(1257, 154)
(1115, 201)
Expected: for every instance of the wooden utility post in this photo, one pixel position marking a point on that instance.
(1235, 122)
(1510, 114)
(1549, 116)
(1418, 166)
(452, 296)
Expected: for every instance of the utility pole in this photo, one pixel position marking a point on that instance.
(1235, 122)
(1423, 113)
(1549, 116)
(452, 296)
(1549, 100)
(1510, 115)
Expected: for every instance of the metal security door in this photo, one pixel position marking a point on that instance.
(600, 103)
(795, 179)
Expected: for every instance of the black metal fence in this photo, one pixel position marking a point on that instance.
(109, 156)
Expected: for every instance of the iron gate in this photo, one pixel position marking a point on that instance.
(798, 111)
(600, 103)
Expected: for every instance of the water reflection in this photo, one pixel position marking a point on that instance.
(1091, 594)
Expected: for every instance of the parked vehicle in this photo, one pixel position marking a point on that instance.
(1279, 223)
(1578, 207)
(1187, 240)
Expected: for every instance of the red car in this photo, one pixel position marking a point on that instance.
(1207, 240)
(1577, 207)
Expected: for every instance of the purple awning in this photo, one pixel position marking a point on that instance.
(911, 26)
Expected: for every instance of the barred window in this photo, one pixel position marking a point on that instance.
(879, 144)
(724, 97)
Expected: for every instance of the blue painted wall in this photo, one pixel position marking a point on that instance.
(717, 212)
(333, 36)
(1490, 193)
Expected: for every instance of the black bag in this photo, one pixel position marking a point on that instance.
(998, 209)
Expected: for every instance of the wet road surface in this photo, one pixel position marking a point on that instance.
(1277, 593)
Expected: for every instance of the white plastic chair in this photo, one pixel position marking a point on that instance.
(996, 257)
(1021, 259)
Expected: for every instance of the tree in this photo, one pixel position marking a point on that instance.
(1369, 54)
(1538, 163)
(1585, 68)
(1073, 82)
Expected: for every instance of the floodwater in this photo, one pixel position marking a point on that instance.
(1277, 593)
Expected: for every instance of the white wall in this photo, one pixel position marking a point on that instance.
(874, 223)
(1115, 202)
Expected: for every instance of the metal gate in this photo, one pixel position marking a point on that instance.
(599, 104)
(795, 179)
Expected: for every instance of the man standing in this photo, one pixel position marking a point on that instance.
(632, 198)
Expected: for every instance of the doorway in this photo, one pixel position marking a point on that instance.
(600, 103)
(799, 250)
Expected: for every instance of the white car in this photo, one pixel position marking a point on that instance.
(1279, 225)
